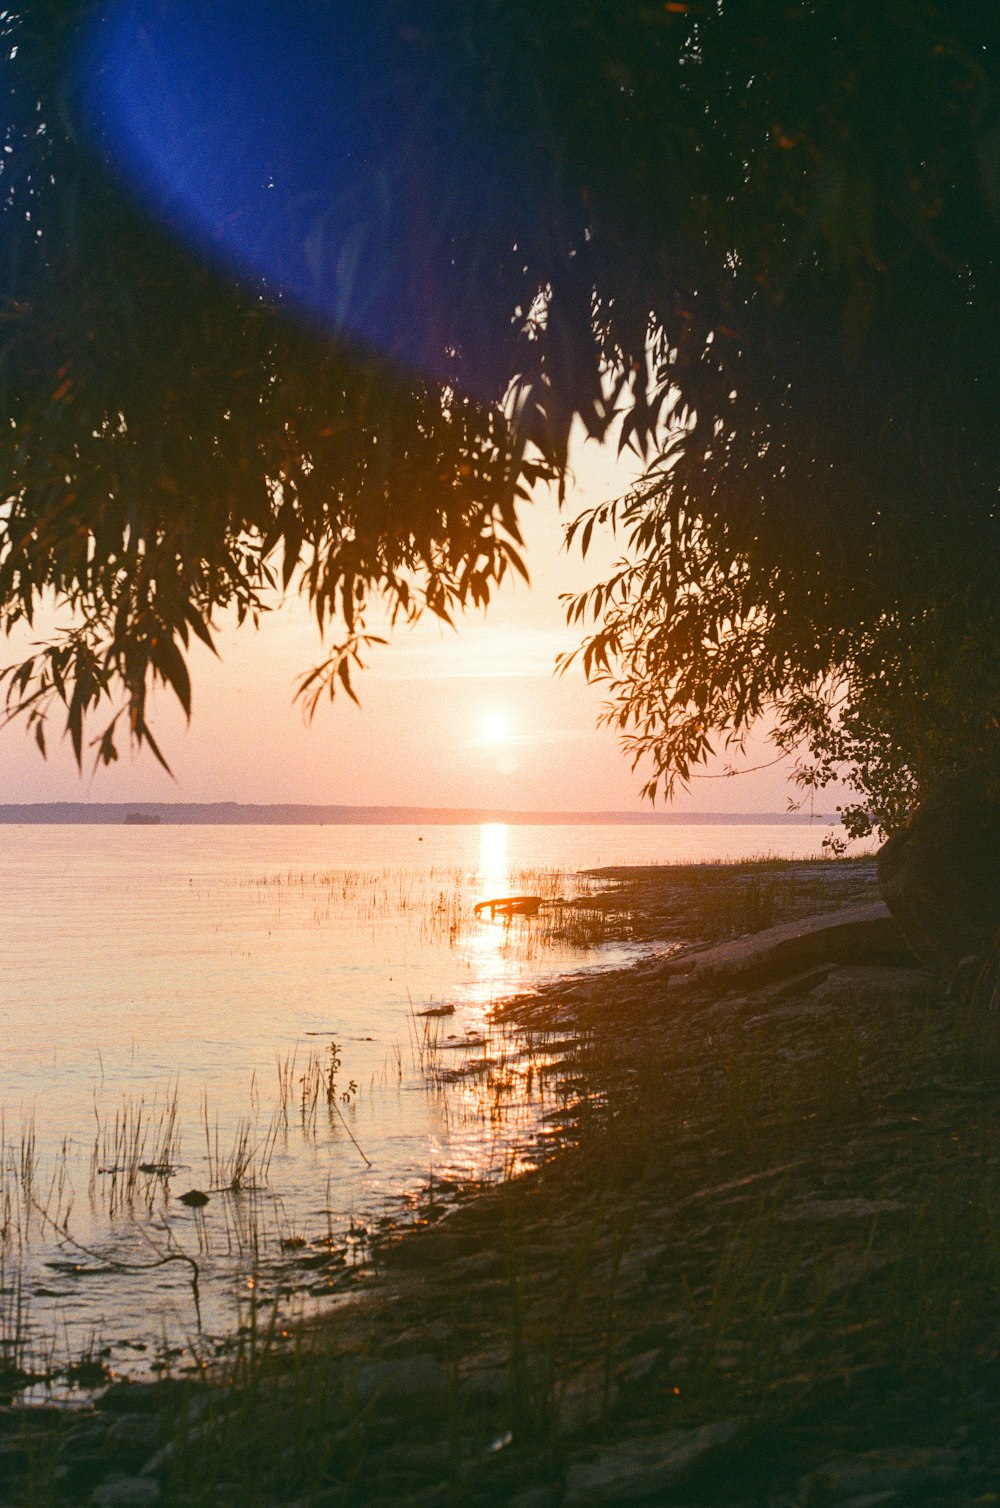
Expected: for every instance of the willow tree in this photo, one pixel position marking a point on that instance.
(324, 293)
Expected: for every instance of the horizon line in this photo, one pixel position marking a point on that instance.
(278, 813)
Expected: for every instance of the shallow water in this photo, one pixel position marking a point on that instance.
(206, 973)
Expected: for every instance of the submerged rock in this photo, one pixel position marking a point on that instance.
(194, 1198)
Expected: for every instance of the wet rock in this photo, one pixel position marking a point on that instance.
(941, 875)
(127, 1492)
(195, 1199)
(640, 1470)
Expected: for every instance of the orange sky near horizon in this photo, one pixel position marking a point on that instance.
(422, 735)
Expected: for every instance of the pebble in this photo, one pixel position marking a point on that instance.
(196, 1199)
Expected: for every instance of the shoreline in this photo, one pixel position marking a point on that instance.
(764, 1271)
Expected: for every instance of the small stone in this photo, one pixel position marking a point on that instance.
(195, 1199)
(127, 1492)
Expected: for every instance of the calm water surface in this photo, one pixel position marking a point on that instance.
(203, 973)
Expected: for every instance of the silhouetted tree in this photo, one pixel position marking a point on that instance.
(756, 241)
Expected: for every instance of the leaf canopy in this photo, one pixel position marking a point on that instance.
(757, 242)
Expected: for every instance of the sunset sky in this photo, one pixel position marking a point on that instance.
(473, 717)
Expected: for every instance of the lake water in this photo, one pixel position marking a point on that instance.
(235, 1010)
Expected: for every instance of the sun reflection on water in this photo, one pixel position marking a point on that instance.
(485, 941)
(494, 865)
(359, 981)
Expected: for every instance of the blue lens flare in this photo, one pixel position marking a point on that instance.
(309, 150)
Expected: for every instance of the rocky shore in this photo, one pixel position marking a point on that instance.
(762, 1269)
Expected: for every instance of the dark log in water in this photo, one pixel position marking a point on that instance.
(509, 905)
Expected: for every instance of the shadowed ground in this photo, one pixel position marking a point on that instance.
(762, 1270)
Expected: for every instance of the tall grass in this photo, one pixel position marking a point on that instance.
(134, 1149)
(243, 1161)
(589, 1087)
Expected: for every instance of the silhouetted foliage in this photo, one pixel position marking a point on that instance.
(755, 241)
(174, 441)
(817, 534)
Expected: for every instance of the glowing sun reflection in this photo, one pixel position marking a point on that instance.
(484, 943)
(494, 866)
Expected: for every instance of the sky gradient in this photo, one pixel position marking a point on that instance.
(467, 717)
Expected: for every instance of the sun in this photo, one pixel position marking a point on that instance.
(494, 728)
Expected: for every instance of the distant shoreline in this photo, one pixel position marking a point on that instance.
(239, 814)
